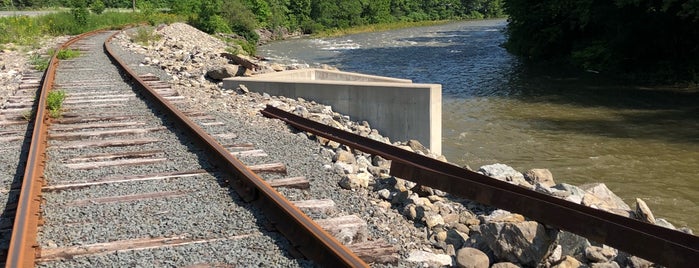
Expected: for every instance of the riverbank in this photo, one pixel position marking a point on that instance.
(429, 226)
(378, 27)
(448, 227)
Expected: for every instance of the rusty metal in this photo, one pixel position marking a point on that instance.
(661, 245)
(308, 237)
(22, 248)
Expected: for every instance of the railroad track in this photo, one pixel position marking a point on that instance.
(133, 175)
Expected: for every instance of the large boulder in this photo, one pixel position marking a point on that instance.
(574, 193)
(643, 213)
(526, 242)
(471, 258)
(540, 175)
(225, 71)
(603, 193)
(572, 244)
(505, 173)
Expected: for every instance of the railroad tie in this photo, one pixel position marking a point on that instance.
(294, 182)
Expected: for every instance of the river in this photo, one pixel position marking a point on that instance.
(640, 141)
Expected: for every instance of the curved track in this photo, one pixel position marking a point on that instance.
(108, 130)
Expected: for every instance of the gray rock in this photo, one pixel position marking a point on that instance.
(568, 262)
(575, 194)
(384, 194)
(344, 168)
(225, 71)
(572, 244)
(416, 146)
(432, 220)
(456, 238)
(524, 242)
(600, 254)
(540, 175)
(601, 191)
(355, 181)
(345, 157)
(605, 265)
(636, 262)
(380, 162)
(686, 230)
(500, 215)
(419, 256)
(555, 255)
(504, 265)
(505, 173)
(643, 213)
(664, 223)
(471, 258)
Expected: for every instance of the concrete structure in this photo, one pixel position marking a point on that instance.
(398, 108)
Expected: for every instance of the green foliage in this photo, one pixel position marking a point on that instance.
(65, 54)
(97, 7)
(241, 20)
(22, 30)
(79, 11)
(28, 114)
(40, 63)
(54, 102)
(643, 39)
(144, 35)
(209, 18)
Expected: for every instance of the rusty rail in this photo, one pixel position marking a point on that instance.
(308, 237)
(21, 252)
(661, 245)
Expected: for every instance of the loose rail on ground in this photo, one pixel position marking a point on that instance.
(661, 245)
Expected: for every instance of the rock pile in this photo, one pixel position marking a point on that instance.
(459, 232)
(14, 63)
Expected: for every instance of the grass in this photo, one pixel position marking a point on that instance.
(40, 63)
(144, 36)
(54, 102)
(25, 30)
(65, 54)
(28, 115)
(378, 27)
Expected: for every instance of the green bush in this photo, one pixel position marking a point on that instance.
(54, 102)
(144, 35)
(98, 7)
(40, 63)
(65, 54)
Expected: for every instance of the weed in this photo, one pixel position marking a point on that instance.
(65, 54)
(40, 63)
(54, 102)
(144, 35)
(28, 115)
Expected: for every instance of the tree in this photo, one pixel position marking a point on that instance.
(79, 11)
(636, 38)
(98, 7)
(378, 11)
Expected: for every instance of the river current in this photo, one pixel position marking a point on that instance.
(640, 141)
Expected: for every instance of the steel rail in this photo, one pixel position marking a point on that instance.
(22, 247)
(661, 245)
(307, 236)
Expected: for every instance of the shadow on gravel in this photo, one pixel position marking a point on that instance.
(263, 223)
(8, 214)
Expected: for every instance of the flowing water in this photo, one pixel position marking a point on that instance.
(641, 141)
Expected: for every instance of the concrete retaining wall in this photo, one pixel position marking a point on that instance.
(397, 108)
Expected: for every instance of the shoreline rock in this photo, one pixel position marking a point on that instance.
(452, 224)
